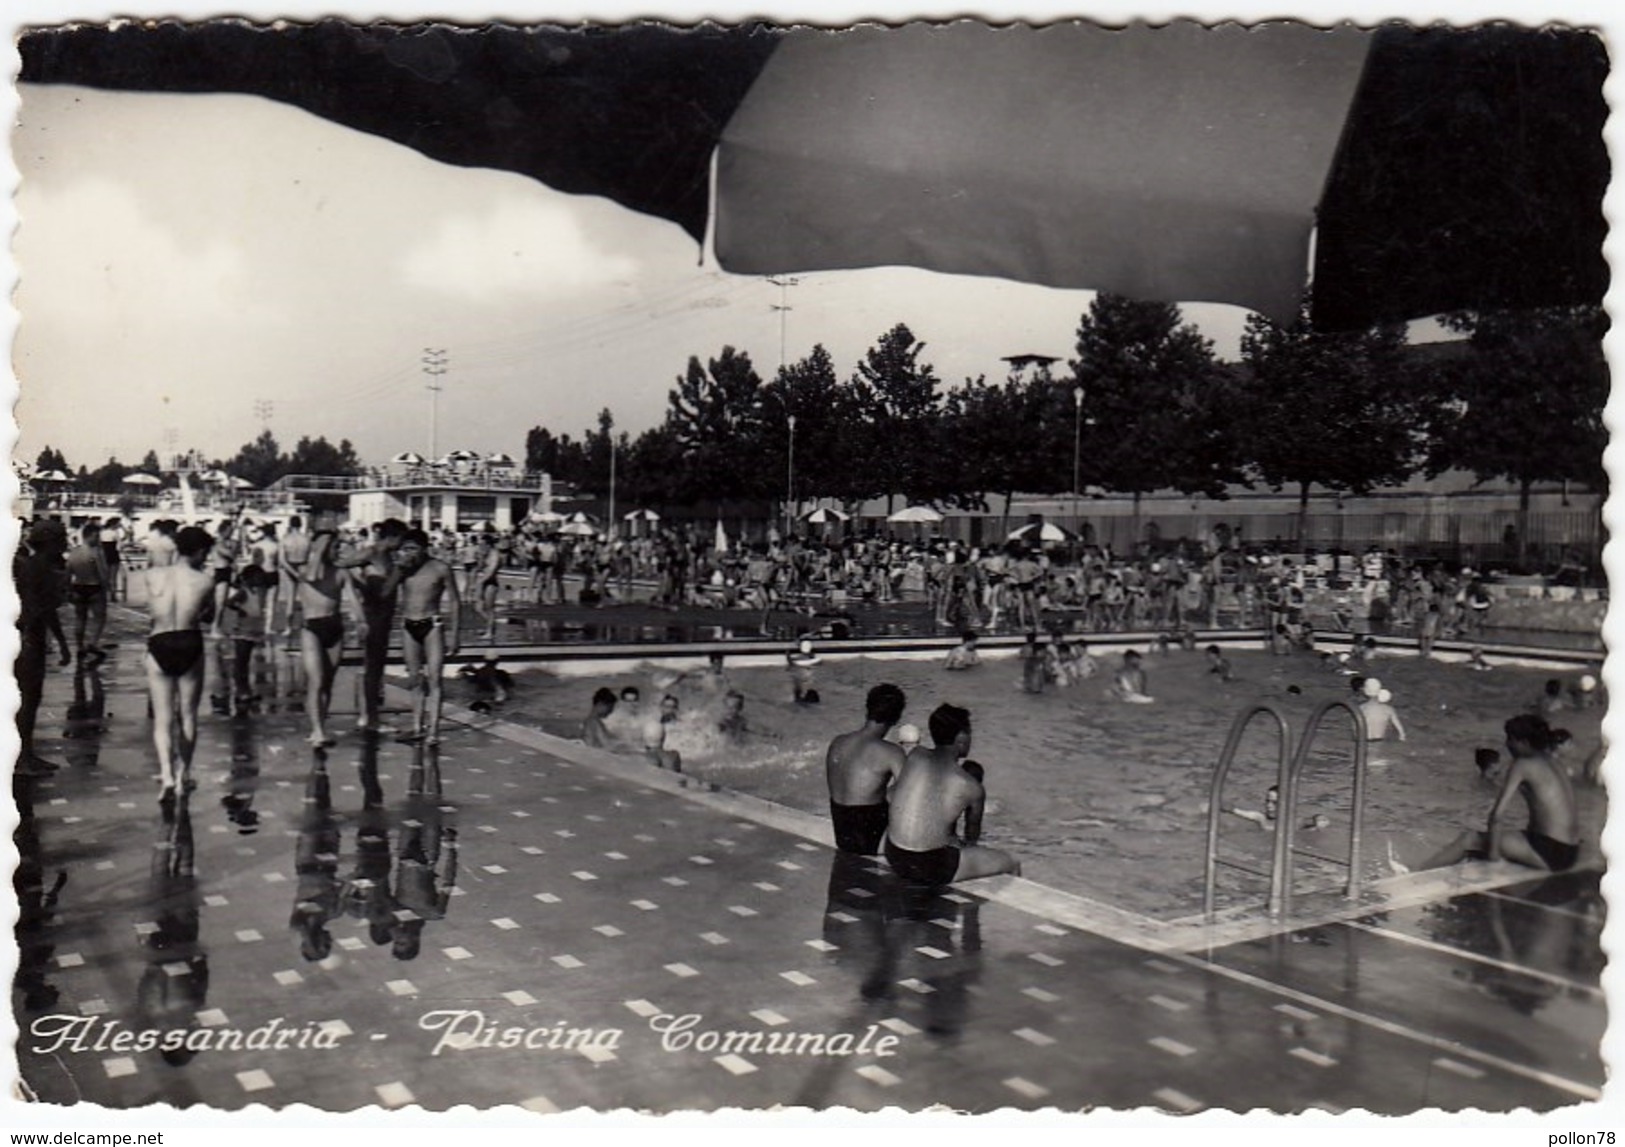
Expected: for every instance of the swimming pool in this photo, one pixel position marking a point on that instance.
(1108, 800)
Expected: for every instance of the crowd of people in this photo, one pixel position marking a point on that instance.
(1010, 587)
(229, 585)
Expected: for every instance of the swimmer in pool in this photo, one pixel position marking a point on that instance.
(594, 726)
(1551, 699)
(801, 661)
(732, 723)
(1583, 693)
(1475, 660)
(1551, 842)
(1380, 716)
(1488, 762)
(180, 598)
(859, 767)
(1130, 683)
(654, 736)
(963, 655)
(625, 724)
(908, 738)
(1032, 665)
(1217, 664)
(932, 792)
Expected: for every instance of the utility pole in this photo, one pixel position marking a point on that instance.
(435, 364)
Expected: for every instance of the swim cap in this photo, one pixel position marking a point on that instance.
(1587, 683)
(1372, 686)
(1384, 696)
(908, 734)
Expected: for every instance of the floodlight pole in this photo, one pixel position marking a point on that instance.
(434, 365)
(790, 480)
(1077, 454)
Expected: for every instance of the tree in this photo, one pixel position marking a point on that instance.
(824, 456)
(1001, 437)
(714, 413)
(150, 463)
(1150, 384)
(896, 405)
(319, 456)
(260, 461)
(51, 459)
(1332, 409)
(648, 465)
(106, 479)
(1525, 403)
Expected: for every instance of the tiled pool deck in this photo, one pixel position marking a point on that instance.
(549, 888)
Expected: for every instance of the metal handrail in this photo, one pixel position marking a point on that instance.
(1287, 810)
(1215, 811)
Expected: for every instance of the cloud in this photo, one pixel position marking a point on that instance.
(90, 248)
(513, 248)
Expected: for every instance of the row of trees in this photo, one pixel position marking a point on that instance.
(1144, 406)
(261, 462)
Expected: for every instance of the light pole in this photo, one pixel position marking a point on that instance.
(614, 526)
(1077, 455)
(434, 366)
(790, 479)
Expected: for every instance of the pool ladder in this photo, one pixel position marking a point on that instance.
(1289, 768)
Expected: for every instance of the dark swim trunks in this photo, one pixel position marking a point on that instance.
(83, 593)
(1558, 855)
(859, 827)
(931, 869)
(176, 651)
(328, 630)
(419, 628)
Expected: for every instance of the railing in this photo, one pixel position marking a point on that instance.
(417, 477)
(1289, 768)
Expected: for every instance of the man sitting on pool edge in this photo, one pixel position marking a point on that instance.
(858, 767)
(1551, 842)
(930, 794)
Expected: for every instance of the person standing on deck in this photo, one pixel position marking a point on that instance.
(427, 586)
(179, 598)
(372, 573)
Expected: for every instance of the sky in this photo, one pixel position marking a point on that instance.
(196, 268)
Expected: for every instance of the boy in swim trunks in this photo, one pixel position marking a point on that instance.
(858, 767)
(1551, 842)
(180, 598)
(427, 585)
(89, 580)
(932, 791)
(317, 590)
(375, 579)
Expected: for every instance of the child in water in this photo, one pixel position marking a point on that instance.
(732, 723)
(1216, 663)
(1130, 683)
(1032, 665)
(1380, 716)
(963, 655)
(801, 661)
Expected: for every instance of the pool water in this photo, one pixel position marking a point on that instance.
(1107, 799)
